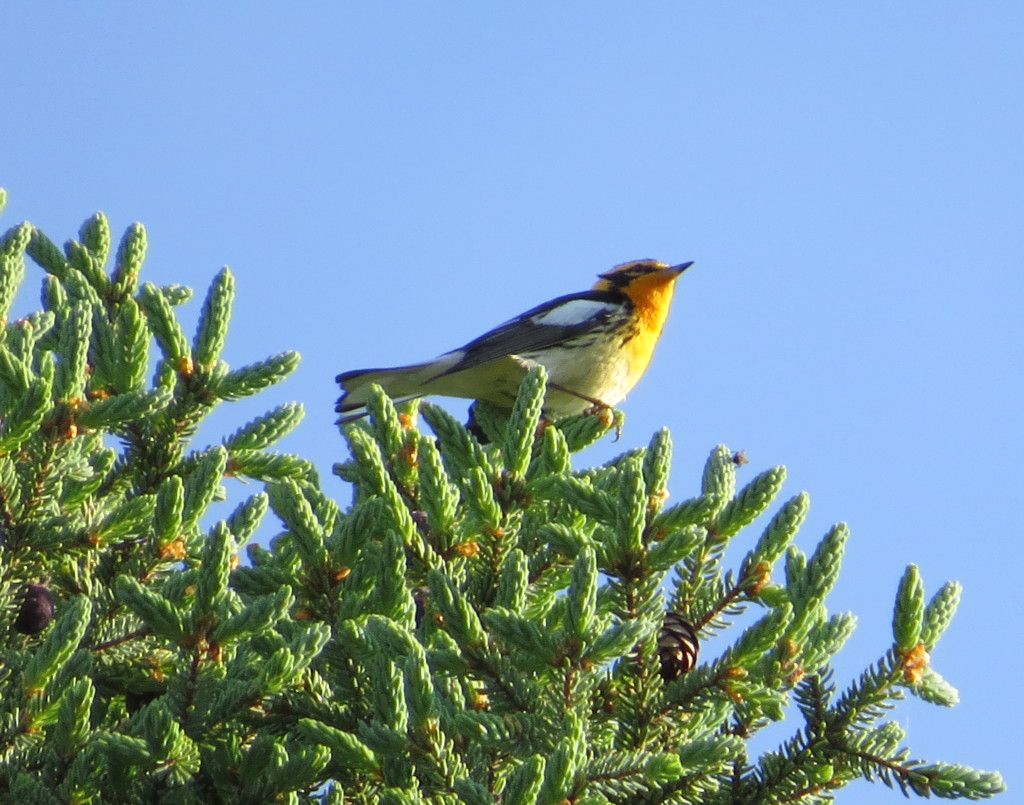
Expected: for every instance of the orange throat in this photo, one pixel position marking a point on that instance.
(652, 297)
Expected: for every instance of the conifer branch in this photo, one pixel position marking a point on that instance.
(485, 622)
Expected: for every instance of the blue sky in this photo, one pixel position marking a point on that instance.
(386, 181)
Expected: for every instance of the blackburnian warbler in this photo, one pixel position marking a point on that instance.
(595, 346)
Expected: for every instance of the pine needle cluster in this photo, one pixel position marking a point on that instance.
(484, 623)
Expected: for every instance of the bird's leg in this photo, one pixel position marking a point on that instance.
(596, 407)
(596, 404)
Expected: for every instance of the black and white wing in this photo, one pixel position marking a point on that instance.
(566, 320)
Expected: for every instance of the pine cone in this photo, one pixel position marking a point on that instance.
(677, 646)
(36, 610)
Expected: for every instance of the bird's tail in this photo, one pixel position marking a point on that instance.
(400, 383)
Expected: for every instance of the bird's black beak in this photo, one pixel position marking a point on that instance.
(679, 269)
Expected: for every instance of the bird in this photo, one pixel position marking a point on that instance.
(595, 346)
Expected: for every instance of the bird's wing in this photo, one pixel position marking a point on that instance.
(555, 322)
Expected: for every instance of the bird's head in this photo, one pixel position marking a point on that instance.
(640, 274)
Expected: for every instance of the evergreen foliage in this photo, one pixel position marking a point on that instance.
(480, 625)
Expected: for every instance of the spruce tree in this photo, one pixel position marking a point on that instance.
(483, 623)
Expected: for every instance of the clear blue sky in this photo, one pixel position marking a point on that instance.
(388, 180)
